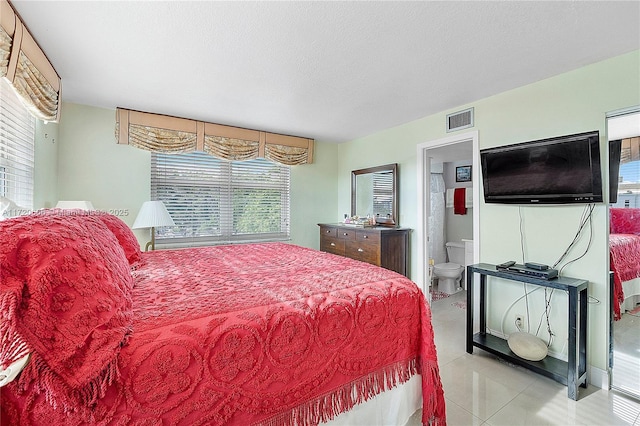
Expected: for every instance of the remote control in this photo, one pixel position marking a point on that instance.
(537, 266)
(505, 265)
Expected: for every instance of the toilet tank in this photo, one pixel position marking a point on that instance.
(455, 252)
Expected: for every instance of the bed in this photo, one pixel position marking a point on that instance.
(264, 334)
(624, 252)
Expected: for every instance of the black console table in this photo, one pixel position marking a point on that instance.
(573, 372)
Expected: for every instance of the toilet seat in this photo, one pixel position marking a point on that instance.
(447, 266)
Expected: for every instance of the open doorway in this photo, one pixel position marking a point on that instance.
(456, 160)
(623, 130)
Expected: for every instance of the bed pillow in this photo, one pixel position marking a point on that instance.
(65, 299)
(125, 237)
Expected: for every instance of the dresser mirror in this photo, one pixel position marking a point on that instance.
(374, 191)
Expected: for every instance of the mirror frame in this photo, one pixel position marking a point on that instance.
(393, 168)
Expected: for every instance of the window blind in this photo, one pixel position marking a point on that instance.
(219, 201)
(382, 193)
(17, 136)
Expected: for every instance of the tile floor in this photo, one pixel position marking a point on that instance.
(481, 389)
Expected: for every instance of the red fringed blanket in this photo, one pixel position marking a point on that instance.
(270, 334)
(624, 250)
(65, 299)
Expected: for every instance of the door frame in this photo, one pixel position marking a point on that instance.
(424, 204)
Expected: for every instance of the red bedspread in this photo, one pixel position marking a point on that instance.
(259, 334)
(624, 250)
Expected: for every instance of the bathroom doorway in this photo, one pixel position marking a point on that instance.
(447, 164)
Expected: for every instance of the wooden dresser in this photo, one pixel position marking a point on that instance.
(379, 245)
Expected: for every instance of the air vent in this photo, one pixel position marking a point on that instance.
(460, 120)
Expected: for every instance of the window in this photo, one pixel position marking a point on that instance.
(382, 194)
(3, 174)
(219, 201)
(630, 176)
(17, 135)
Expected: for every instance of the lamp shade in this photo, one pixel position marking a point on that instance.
(153, 214)
(82, 205)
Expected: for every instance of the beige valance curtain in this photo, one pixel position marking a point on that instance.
(5, 49)
(27, 68)
(162, 133)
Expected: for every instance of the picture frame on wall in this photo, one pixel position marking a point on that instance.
(463, 174)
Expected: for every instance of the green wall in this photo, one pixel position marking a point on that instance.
(569, 103)
(45, 179)
(92, 166)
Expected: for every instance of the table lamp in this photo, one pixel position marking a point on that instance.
(152, 214)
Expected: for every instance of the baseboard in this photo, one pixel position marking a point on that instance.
(598, 377)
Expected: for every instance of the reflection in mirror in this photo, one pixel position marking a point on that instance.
(374, 192)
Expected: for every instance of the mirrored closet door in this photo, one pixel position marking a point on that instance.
(624, 245)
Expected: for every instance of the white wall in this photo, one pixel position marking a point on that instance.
(457, 227)
(569, 103)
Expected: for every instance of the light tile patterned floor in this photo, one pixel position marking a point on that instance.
(481, 389)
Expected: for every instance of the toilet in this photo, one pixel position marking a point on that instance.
(449, 273)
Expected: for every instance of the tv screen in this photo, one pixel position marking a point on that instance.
(557, 170)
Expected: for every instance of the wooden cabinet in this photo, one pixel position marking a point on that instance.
(378, 245)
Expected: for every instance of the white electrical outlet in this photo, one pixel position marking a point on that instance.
(519, 321)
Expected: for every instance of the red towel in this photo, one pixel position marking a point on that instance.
(459, 201)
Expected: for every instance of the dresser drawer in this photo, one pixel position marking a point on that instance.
(364, 251)
(346, 233)
(332, 245)
(328, 232)
(368, 237)
(380, 246)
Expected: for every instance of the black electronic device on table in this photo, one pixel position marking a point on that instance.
(505, 265)
(545, 274)
(537, 266)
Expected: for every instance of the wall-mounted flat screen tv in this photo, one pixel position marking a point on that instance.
(559, 170)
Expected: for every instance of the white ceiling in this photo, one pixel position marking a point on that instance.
(332, 71)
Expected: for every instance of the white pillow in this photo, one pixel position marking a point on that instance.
(527, 346)
(5, 203)
(10, 209)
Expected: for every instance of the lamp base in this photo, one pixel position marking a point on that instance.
(151, 243)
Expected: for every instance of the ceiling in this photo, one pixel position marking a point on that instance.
(332, 71)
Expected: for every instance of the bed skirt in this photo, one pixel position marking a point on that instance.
(393, 407)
